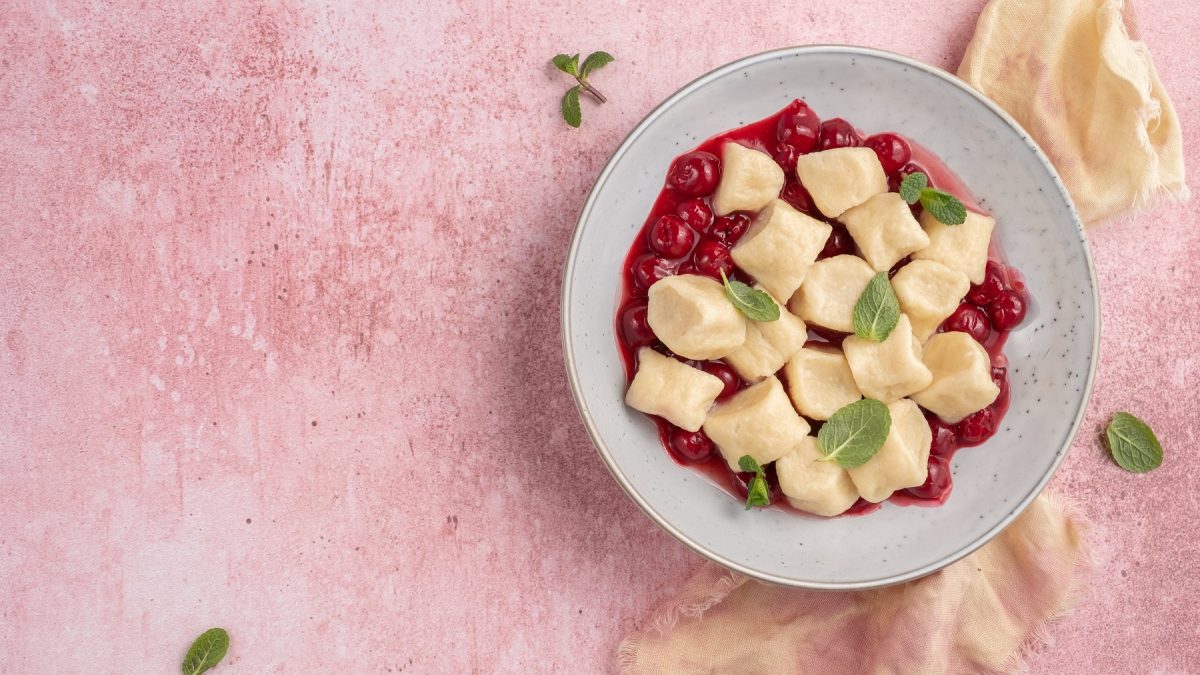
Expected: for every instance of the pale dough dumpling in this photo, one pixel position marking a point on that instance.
(884, 229)
(961, 247)
(842, 178)
(817, 487)
(962, 377)
(820, 382)
(830, 291)
(749, 180)
(929, 292)
(903, 461)
(672, 390)
(693, 317)
(758, 421)
(891, 369)
(768, 345)
(780, 246)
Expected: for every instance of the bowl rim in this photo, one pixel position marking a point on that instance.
(573, 374)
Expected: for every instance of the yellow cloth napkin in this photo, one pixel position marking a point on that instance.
(1069, 72)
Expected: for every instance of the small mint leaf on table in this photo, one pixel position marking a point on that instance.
(944, 206)
(756, 493)
(568, 64)
(755, 304)
(595, 61)
(1133, 444)
(912, 185)
(570, 107)
(206, 652)
(854, 433)
(877, 311)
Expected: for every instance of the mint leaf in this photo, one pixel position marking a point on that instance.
(877, 311)
(944, 206)
(570, 107)
(912, 185)
(567, 64)
(756, 493)
(855, 433)
(1133, 444)
(755, 304)
(595, 61)
(206, 652)
(749, 464)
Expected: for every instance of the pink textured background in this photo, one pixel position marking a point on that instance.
(280, 339)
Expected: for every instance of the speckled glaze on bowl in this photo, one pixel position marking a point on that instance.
(1051, 357)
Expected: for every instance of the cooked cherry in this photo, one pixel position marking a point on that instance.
(711, 258)
(913, 167)
(977, 427)
(785, 156)
(648, 269)
(937, 483)
(671, 237)
(696, 213)
(993, 285)
(729, 229)
(695, 174)
(892, 150)
(970, 320)
(799, 128)
(838, 133)
(634, 327)
(838, 243)
(691, 446)
(943, 441)
(794, 193)
(726, 375)
(1007, 310)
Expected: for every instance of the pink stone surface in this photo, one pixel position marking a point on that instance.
(280, 337)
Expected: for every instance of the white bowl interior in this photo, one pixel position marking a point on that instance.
(1050, 357)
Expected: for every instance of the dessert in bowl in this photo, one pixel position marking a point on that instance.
(806, 209)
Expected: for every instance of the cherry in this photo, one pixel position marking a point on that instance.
(727, 375)
(695, 174)
(943, 444)
(862, 507)
(838, 243)
(937, 484)
(648, 269)
(798, 128)
(671, 237)
(977, 427)
(892, 150)
(634, 327)
(729, 229)
(970, 320)
(913, 167)
(1007, 310)
(691, 446)
(794, 193)
(785, 156)
(993, 285)
(838, 133)
(711, 258)
(696, 213)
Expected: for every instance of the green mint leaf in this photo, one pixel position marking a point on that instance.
(757, 494)
(877, 311)
(749, 464)
(595, 61)
(855, 433)
(567, 64)
(570, 107)
(1133, 444)
(912, 185)
(755, 304)
(206, 652)
(944, 206)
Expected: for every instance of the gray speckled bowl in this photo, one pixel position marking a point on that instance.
(1051, 357)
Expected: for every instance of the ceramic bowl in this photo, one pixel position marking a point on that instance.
(1051, 356)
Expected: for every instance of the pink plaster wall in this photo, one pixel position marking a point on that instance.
(280, 338)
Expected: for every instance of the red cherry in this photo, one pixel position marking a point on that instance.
(785, 156)
(943, 443)
(977, 427)
(892, 150)
(991, 288)
(794, 193)
(711, 258)
(937, 484)
(729, 229)
(970, 320)
(648, 269)
(696, 213)
(798, 127)
(838, 243)
(671, 237)
(838, 133)
(634, 327)
(695, 174)
(691, 446)
(913, 167)
(727, 375)
(1007, 310)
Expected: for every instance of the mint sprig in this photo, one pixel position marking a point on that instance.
(755, 304)
(1133, 444)
(569, 64)
(756, 492)
(206, 652)
(877, 311)
(940, 204)
(855, 433)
